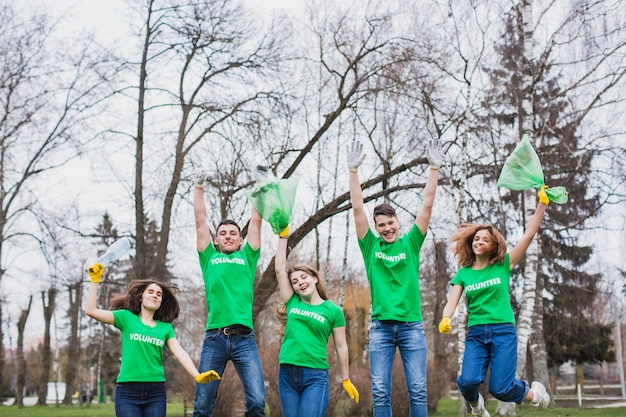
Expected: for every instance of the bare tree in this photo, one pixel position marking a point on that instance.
(20, 367)
(46, 96)
(75, 295)
(48, 300)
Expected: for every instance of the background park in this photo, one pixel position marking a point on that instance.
(109, 107)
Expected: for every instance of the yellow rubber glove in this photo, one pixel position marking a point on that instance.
(445, 325)
(543, 197)
(285, 232)
(349, 387)
(207, 376)
(95, 272)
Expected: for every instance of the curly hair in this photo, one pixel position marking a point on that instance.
(169, 310)
(464, 237)
(281, 313)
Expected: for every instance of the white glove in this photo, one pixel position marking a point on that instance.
(199, 178)
(261, 173)
(355, 155)
(434, 154)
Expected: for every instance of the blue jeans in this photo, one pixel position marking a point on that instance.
(409, 338)
(494, 346)
(217, 350)
(304, 392)
(140, 399)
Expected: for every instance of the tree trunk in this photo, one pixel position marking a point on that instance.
(461, 311)
(140, 218)
(527, 308)
(21, 362)
(75, 292)
(46, 354)
(579, 375)
(538, 350)
(438, 384)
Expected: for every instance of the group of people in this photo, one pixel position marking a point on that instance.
(308, 318)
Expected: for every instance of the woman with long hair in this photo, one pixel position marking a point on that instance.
(491, 340)
(144, 317)
(309, 318)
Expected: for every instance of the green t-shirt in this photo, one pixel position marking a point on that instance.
(307, 331)
(393, 273)
(229, 285)
(487, 293)
(142, 347)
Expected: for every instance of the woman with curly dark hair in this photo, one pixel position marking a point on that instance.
(491, 340)
(144, 316)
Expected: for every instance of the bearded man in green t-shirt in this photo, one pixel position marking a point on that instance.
(228, 270)
(392, 267)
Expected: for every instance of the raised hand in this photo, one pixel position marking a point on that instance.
(434, 154)
(95, 272)
(199, 178)
(355, 155)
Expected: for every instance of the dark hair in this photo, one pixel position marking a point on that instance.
(464, 237)
(281, 313)
(228, 221)
(385, 209)
(169, 310)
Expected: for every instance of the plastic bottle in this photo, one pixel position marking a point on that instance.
(114, 252)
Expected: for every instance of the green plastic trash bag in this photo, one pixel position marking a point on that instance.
(274, 200)
(522, 171)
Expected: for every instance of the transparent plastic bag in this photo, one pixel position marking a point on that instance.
(522, 170)
(274, 200)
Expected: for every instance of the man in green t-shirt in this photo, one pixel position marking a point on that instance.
(228, 269)
(392, 267)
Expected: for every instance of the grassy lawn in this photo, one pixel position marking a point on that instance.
(447, 408)
(94, 410)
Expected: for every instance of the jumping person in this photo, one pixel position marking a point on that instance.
(392, 266)
(491, 340)
(228, 270)
(309, 318)
(144, 316)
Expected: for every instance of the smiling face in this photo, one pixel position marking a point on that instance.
(152, 297)
(482, 244)
(228, 239)
(304, 284)
(387, 227)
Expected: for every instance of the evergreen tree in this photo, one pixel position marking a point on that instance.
(570, 331)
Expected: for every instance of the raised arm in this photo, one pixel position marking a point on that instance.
(91, 304)
(254, 230)
(517, 253)
(203, 232)
(280, 265)
(435, 159)
(355, 157)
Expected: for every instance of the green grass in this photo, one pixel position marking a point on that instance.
(447, 408)
(94, 410)
(450, 408)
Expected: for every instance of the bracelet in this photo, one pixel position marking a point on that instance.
(199, 186)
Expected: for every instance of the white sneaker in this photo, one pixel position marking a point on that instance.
(480, 409)
(541, 398)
